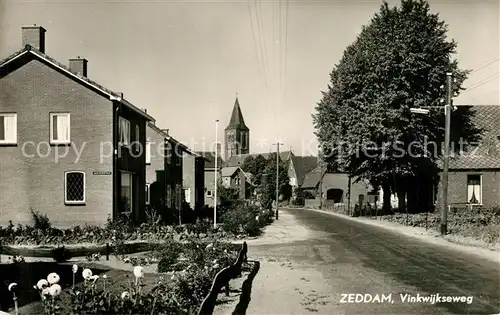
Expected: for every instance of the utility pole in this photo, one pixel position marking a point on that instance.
(320, 188)
(446, 157)
(277, 175)
(216, 173)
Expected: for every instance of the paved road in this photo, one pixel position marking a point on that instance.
(352, 257)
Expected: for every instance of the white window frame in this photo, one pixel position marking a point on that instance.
(209, 193)
(148, 152)
(73, 202)
(127, 122)
(10, 141)
(148, 194)
(51, 125)
(480, 198)
(187, 194)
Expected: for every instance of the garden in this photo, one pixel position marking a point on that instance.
(120, 268)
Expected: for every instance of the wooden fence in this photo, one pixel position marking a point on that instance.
(222, 280)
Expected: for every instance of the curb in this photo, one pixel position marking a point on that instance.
(485, 253)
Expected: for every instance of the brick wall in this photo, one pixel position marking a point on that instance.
(457, 188)
(27, 181)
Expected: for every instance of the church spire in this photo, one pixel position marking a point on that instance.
(237, 122)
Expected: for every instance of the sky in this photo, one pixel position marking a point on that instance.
(185, 61)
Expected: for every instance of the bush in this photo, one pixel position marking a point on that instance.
(61, 254)
(168, 253)
(42, 222)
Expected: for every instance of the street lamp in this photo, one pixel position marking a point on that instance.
(216, 171)
(446, 155)
(277, 174)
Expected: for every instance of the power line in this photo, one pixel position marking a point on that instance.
(482, 82)
(262, 42)
(259, 65)
(485, 65)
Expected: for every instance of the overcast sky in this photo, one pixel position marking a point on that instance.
(184, 61)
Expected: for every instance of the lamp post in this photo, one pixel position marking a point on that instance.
(446, 153)
(277, 175)
(216, 172)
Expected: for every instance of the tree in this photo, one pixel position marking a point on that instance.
(363, 122)
(267, 186)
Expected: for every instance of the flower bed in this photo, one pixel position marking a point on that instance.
(186, 273)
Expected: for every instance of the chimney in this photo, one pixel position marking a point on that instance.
(165, 131)
(78, 66)
(34, 36)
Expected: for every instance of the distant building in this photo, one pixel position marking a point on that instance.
(237, 134)
(210, 171)
(238, 160)
(234, 177)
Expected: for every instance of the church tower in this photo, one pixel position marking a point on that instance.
(237, 134)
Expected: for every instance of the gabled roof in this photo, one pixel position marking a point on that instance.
(313, 178)
(237, 121)
(114, 96)
(172, 139)
(210, 159)
(238, 159)
(485, 155)
(303, 165)
(229, 171)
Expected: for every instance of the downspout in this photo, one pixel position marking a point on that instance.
(115, 193)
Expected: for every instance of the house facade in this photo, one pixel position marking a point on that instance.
(332, 190)
(69, 148)
(210, 172)
(193, 175)
(165, 180)
(474, 175)
(234, 177)
(298, 167)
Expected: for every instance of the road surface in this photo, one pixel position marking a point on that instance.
(311, 260)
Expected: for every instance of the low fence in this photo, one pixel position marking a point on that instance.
(221, 280)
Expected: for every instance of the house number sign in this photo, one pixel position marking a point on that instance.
(101, 173)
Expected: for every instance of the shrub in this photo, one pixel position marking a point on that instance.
(41, 221)
(61, 254)
(253, 228)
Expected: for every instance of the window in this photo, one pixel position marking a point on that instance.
(126, 193)
(148, 152)
(169, 197)
(168, 152)
(8, 128)
(209, 193)
(124, 132)
(148, 194)
(59, 128)
(474, 189)
(187, 195)
(74, 187)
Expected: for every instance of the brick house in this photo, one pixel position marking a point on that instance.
(69, 148)
(234, 177)
(334, 189)
(193, 173)
(474, 176)
(166, 182)
(298, 167)
(209, 174)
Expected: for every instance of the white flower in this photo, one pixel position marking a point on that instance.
(209, 245)
(12, 286)
(257, 218)
(216, 266)
(42, 284)
(75, 268)
(94, 277)
(215, 261)
(53, 278)
(55, 289)
(125, 295)
(35, 287)
(225, 251)
(86, 273)
(104, 277)
(139, 271)
(206, 267)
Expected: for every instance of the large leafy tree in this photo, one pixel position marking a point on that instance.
(363, 122)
